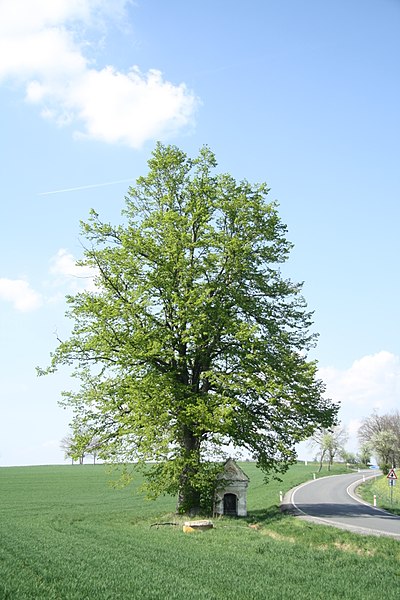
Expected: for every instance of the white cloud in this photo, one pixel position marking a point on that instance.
(63, 266)
(20, 294)
(371, 383)
(44, 46)
(67, 277)
(129, 108)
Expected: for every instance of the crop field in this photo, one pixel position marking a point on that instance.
(66, 534)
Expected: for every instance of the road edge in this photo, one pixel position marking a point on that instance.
(288, 506)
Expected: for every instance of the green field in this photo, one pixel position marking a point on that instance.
(66, 534)
(387, 497)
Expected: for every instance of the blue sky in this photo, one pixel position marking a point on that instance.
(302, 95)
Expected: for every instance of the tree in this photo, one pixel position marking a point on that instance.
(382, 434)
(364, 454)
(193, 339)
(349, 457)
(79, 444)
(66, 446)
(384, 444)
(330, 443)
(73, 449)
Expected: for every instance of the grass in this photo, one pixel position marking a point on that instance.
(387, 497)
(67, 535)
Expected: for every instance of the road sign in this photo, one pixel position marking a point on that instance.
(391, 482)
(391, 474)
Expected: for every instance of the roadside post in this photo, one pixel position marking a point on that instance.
(392, 478)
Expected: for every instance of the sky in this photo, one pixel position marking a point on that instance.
(302, 95)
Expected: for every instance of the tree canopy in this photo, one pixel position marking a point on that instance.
(78, 444)
(192, 339)
(382, 434)
(330, 444)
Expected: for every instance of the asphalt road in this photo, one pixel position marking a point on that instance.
(333, 501)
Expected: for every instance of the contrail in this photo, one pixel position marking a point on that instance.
(83, 187)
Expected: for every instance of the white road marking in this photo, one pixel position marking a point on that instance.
(331, 522)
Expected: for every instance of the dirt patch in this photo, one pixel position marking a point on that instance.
(354, 549)
(278, 536)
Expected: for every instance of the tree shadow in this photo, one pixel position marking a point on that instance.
(272, 514)
(391, 509)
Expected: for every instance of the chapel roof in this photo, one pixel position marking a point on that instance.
(233, 472)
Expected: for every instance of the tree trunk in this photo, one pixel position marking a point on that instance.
(321, 460)
(188, 495)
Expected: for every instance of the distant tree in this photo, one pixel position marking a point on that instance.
(329, 443)
(79, 444)
(372, 425)
(72, 449)
(193, 338)
(384, 444)
(349, 457)
(65, 445)
(364, 454)
(95, 447)
(382, 434)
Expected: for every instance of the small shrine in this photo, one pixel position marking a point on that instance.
(231, 492)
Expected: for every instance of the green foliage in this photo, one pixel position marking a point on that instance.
(364, 455)
(80, 443)
(203, 479)
(349, 457)
(382, 434)
(193, 339)
(384, 443)
(385, 467)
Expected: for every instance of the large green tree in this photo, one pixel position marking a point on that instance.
(193, 339)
